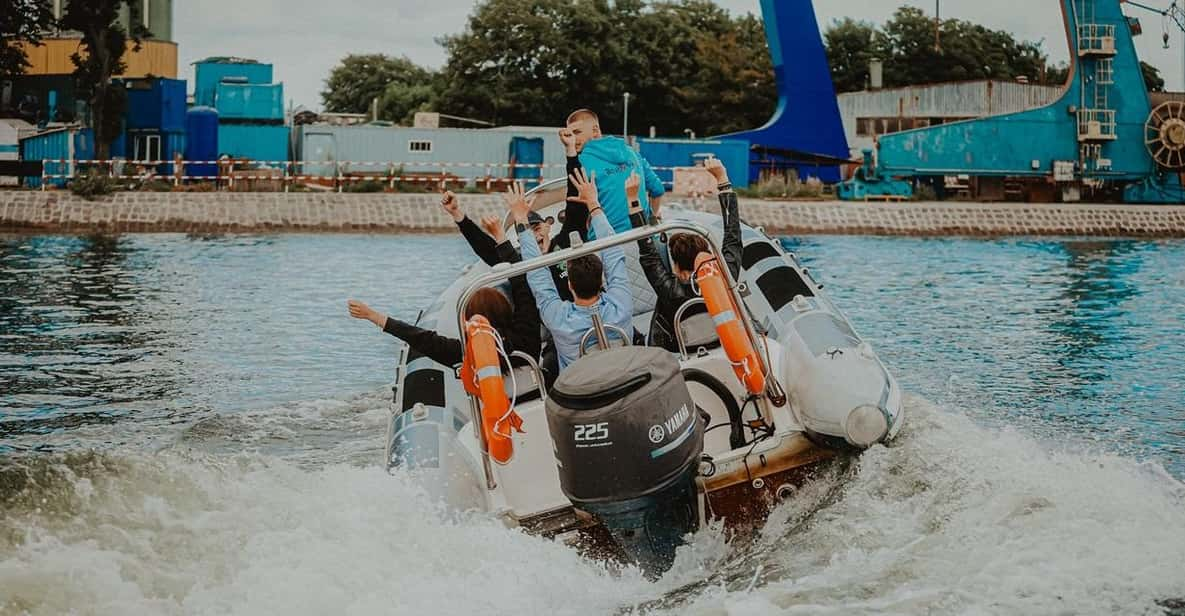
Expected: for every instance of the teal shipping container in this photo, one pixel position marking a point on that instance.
(156, 104)
(68, 143)
(253, 141)
(213, 71)
(734, 153)
(255, 102)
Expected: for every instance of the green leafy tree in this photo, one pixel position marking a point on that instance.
(907, 45)
(1152, 78)
(21, 21)
(533, 61)
(851, 47)
(358, 79)
(100, 57)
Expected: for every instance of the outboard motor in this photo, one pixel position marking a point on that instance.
(628, 441)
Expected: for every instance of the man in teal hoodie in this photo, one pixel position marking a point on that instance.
(610, 160)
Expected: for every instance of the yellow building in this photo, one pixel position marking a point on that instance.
(157, 56)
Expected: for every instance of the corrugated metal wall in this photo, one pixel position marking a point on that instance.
(971, 99)
(156, 58)
(236, 101)
(209, 74)
(64, 143)
(734, 153)
(264, 143)
(319, 142)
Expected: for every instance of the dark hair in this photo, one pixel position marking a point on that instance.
(493, 305)
(684, 248)
(581, 114)
(586, 275)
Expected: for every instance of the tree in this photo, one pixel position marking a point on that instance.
(851, 46)
(100, 57)
(906, 44)
(1152, 79)
(533, 61)
(358, 79)
(21, 22)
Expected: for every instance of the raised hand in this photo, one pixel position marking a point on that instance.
(359, 310)
(493, 226)
(448, 202)
(633, 186)
(568, 138)
(586, 189)
(517, 202)
(716, 168)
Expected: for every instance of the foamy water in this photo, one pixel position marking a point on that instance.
(953, 518)
(192, 426)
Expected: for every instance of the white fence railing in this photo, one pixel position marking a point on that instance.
(226, 172)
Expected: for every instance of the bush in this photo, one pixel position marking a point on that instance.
(93, 184)
(156, 186)
(198, 186)
(924, 192)
(786, 186)
(365, 186)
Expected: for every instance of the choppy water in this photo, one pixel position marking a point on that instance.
(192, 425)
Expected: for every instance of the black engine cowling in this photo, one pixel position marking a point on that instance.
(628, 441)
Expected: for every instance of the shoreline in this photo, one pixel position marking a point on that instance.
(60, 212)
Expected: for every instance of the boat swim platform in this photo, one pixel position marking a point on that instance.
(23, 211)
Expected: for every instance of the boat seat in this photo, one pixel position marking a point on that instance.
(699, 331)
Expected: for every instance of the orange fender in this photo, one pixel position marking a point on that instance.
(481, 374)
(713, 286)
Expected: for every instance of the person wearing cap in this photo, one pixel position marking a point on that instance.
(494, 251)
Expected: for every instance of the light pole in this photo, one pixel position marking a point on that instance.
(625, 122)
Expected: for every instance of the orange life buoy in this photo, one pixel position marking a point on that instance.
(481, 374)
(733, 337)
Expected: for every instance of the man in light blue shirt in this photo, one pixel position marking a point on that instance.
(587, 276)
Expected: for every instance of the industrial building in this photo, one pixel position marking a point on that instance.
(45, 93)
(528, 153)
(871, 113)
(249, 104)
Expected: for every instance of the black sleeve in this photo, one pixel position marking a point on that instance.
(575, 214)
(525, 333)
(732, 232)
(666, 286)
(440, 349)
(479, 241)
(507, 253)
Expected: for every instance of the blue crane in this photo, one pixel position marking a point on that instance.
(1101, 135)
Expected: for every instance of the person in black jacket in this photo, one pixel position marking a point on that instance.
(491, 245)
(518, 324)
(673, 286)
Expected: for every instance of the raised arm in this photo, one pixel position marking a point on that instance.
(660, 277)
(483, 245)
(617, 282)
(654, 187)
(547, 297)
(729, 215)
(440, 349)
(575, 215)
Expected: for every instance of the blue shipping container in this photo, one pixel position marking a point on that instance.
(157, 104)
(210, 73)
(236, 101)
(734, 153)
(201, 143)
(71, 143)
(253, 141)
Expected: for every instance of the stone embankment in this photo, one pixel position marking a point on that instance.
(62, 212)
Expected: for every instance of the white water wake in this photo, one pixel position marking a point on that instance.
(955, 518)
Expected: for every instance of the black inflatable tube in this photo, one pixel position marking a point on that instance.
(736, 435)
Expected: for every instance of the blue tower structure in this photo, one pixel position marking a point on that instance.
(1101, 132)
(806, 131)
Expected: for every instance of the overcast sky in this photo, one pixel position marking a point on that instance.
(305, 38)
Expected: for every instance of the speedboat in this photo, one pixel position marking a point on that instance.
(634, 447)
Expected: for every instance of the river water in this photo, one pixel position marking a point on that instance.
(192, 425)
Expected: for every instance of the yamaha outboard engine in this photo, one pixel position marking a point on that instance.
(628, 441)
